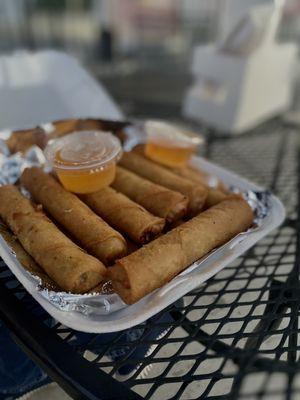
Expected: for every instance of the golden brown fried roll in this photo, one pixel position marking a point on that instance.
(195, 193)
(94, 234)
(156, 199)
(214, 196)
(23, 140)
(158, 262)
(197, 176)
(25, 259)
(190, 173)
(64, 127)
(67, 264)
(124, 214)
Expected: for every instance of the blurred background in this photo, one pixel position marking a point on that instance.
(232, 63)
(140, 49)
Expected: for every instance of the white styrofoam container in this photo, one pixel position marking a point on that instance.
(57, 87)
(174, 290)
(46, 86)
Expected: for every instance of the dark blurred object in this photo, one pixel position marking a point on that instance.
(106, 45)
(56, 5)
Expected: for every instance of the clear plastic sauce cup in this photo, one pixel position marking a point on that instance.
(169, 145)
(85, 161)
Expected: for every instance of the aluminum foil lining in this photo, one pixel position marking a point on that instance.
(88, 303)
(11, 168)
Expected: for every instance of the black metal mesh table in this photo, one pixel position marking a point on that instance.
(235, 337)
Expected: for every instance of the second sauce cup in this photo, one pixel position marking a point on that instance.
(168, 145)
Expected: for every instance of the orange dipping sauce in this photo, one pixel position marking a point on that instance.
(169, 146)
(85, 162)
(171, 156)
(85, 180)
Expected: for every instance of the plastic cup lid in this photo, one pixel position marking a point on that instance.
(84, 149)
(163, 132)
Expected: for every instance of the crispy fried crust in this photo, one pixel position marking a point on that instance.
(157, 263)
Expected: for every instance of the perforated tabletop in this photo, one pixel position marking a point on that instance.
(235, 337)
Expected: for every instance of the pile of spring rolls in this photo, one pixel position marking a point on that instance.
(147, 227)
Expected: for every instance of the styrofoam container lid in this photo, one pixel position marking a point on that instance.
(45, 86)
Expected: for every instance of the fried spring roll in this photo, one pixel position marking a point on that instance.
(195, 193)
(190, 173)
(197, 176)
(156, 199)
(25, 259)
(158, 262)
(125, 215)
(23, 140)
(93, 234)
(64, 127)
(67, 264)
(214, 196)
